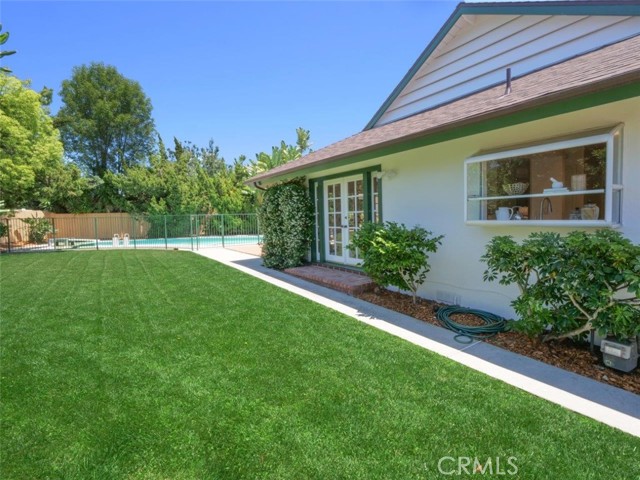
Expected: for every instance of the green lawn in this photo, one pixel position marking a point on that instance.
(166, 365)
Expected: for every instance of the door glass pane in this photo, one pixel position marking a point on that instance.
(337, 190)
(350, 189)
(352, 220)
(352, 204)
(352, 252)
(360, 205)
(359, 187)
(331, 221)
(338, 204)
(337, 220)
(339, 249)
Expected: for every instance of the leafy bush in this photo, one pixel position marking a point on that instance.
(394, 255)
(39, 228)
(286, 218)
(571, 284)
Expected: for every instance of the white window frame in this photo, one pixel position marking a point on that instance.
(613, 181)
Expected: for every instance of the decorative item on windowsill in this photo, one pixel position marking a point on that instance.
(590, 212)
(575, 215)
(517, 188)
(556, 187)
(579, 182)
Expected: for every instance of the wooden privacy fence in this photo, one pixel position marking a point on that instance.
(100, 225)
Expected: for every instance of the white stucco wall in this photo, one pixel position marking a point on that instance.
(428, 190)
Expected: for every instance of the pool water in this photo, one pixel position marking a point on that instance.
(186, 242)
(191, 243)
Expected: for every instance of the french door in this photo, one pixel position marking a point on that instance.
(344, 215)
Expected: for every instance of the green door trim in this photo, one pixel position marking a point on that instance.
(317, 242)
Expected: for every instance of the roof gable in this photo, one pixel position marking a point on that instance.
(479, 41)
(605, 75)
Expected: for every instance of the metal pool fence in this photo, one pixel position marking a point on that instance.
(109, 231)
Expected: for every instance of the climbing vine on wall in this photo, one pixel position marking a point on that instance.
(286, 219)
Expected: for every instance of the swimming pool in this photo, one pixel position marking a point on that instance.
(188, 243)
(191, 243)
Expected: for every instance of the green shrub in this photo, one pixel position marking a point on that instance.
(39, 228)
(570, 285)
(286, 219)
(394, 255)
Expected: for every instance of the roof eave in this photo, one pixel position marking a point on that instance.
(538, 102)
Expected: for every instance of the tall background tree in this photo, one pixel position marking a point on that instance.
(32, 172)
(105, 120)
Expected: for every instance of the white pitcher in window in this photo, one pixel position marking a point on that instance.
(504, 213)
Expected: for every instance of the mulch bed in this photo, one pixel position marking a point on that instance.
(565, 354)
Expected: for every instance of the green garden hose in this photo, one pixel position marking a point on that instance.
(494, 324)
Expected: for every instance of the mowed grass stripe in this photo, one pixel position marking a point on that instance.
(154, 364)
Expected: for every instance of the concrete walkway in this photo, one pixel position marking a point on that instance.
(604, 403)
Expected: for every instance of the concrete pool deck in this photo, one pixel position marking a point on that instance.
(604, 403)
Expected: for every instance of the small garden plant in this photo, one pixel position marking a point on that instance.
(570, 285)
(39, 228)
(395, 255)
(286, 218)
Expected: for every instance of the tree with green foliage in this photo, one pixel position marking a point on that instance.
(32, 172)
(105, 120)
(570, 285)
(4, 53)
(282, 154)
(393, 254)
(183, 180)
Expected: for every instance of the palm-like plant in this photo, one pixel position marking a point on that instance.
(3, 53)
(282, 154)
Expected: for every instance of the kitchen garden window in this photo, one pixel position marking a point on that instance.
(574, 181)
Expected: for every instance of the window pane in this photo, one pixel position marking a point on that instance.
(553, 185)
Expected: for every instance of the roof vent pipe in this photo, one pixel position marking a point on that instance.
(508, 89)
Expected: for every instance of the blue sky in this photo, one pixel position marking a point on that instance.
(244, 74)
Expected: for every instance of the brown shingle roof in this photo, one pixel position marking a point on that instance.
(607, 67)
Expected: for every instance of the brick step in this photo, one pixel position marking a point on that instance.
(342, 280)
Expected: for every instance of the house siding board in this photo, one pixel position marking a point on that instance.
(478, 59)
